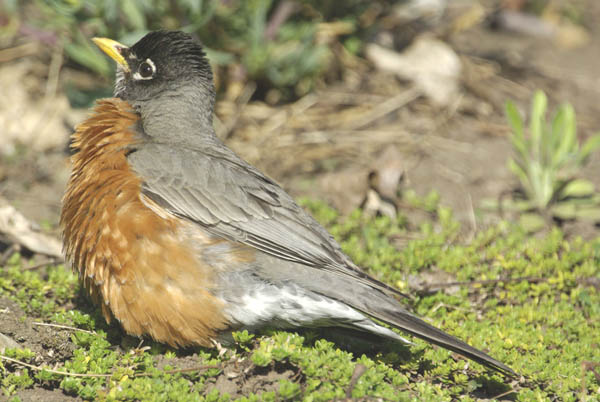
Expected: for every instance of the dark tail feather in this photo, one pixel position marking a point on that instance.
(407, 322)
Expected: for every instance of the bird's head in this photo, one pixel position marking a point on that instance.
(166, 73)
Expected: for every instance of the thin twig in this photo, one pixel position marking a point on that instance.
(359, 370)
(26, 49)
(38, 368)
(182, 370)
(385, 107)
(472, 218)
(66, 373)
(272, 126)
(440, 285)
(448, 306)
(50, 261)
(333, 137)
(510, 391)
(447, 144)
(530, 279)
(45, 324)
(339, 98)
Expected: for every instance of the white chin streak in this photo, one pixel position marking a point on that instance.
(120, 81)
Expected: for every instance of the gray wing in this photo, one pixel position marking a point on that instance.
(228, 197)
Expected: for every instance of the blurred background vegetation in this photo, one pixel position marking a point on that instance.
(285, 46)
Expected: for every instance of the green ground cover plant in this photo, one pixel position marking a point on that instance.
(531, 302)
(548, 160)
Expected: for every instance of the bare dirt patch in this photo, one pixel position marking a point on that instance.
(50, 345)
(243, 378)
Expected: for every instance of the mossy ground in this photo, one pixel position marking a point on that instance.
(531, 302)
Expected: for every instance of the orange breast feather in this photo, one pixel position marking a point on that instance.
(137, 264)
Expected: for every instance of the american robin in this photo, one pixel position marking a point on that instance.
(179, 238)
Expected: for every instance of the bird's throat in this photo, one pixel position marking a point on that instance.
(185, 120)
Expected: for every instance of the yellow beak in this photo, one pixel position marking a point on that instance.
(113, 49)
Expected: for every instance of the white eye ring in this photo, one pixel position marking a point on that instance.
(137, 76)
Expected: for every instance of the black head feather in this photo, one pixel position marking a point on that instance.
(176, 50)
(176, 60)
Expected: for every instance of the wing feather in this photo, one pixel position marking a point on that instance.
(228, 197)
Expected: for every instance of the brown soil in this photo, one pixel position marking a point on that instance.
(50, 345)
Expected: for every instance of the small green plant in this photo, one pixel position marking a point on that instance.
(244, 339)
(548, 159)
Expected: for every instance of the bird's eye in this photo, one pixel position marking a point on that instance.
(146, 70)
